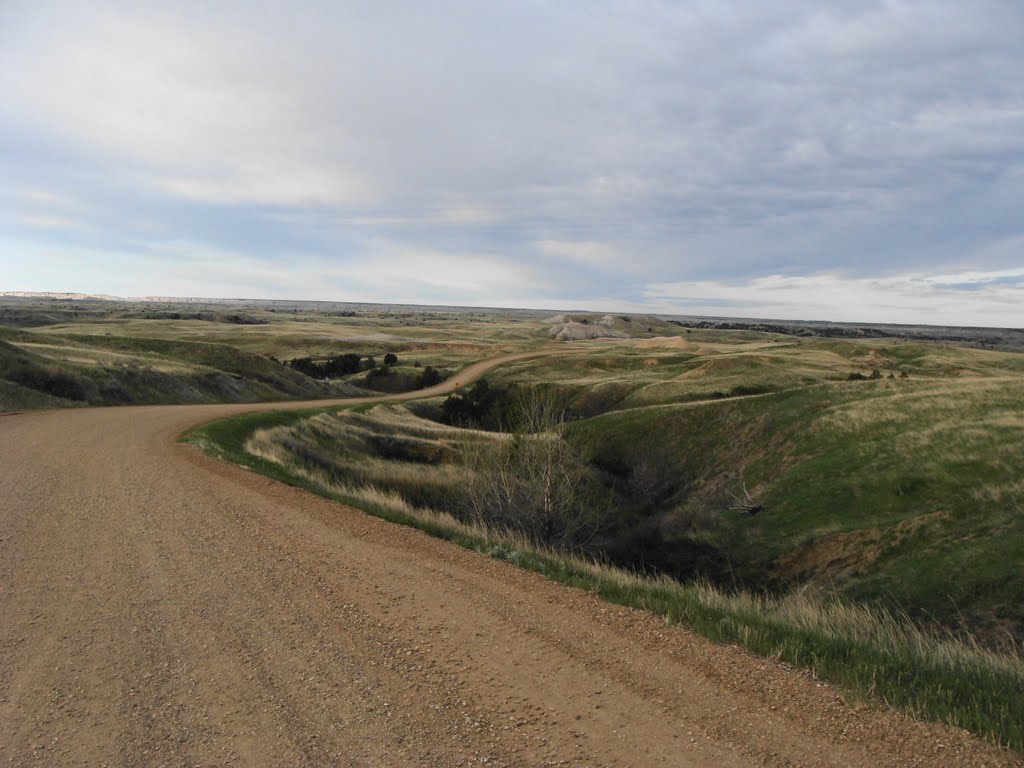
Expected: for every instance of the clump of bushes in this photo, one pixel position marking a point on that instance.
(338, 365)
(483, 406)
(49, 382)
(743, 390)
(385, 379)
(382, 378)
(534, 482)
(471, 408)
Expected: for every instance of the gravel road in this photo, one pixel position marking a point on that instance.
(158, 607)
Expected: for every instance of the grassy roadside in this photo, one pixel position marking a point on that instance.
(867, 652)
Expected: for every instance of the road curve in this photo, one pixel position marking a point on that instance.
(158, 607)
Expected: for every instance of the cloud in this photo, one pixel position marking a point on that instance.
(42, 197)
(585, 253)
(49, 222)
(386, 272)
(969, 298)
(602, 148)
(390, 269)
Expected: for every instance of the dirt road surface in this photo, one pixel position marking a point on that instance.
(158, 607)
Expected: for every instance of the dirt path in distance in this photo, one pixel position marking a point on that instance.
(158, 607)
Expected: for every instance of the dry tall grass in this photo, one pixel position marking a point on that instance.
(803, 610)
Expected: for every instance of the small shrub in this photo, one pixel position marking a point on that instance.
(429, 377)
(50, 382)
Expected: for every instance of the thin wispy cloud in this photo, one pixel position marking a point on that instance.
(511, 152)
(991, 298)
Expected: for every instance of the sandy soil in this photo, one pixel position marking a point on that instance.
(158, 607)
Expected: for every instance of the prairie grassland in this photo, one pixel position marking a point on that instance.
(385, 450)
(45, 370)
(302, 334)
(868, 649)
(887, 552)
(901, 492)
(888, 555)
(635, 373)
(113, 355)
(905, 493)
(90, 356)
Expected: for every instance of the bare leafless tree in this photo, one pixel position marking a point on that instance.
(745, 505)
(533, 482)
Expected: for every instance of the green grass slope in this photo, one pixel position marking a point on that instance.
(46, 370)
(906, 492)
(389, 462)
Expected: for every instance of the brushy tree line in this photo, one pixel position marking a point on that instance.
(383, 377)
(482, 406)
(332, 367)
(532, 481)
(875, 376)
(542, 482)
(48, 382)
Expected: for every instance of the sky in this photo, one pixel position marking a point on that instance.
(835, 160)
